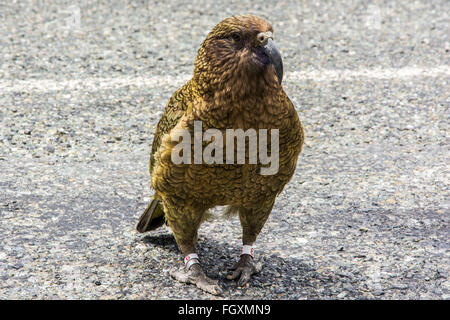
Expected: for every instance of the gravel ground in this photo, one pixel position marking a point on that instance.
(83, 84)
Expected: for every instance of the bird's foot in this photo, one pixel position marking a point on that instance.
(244, 269)
(195, 275)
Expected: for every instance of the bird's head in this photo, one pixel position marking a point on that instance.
(239, 53)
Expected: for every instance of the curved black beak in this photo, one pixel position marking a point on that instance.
(275, 58)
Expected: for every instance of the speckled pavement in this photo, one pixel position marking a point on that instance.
(83, 84)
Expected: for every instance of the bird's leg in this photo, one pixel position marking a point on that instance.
(252, 221)
(245, 267)
(185, 233)
(193, 273)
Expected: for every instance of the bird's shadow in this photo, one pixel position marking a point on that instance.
(280, 277)
(164, 241)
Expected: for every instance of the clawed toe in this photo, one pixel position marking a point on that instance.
(195, 275)
(244, 269)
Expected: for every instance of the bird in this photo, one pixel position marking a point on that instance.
(236, 85)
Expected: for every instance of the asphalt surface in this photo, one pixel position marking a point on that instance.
(82, 86)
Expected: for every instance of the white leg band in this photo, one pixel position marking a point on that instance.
(247, 250)
(190, 259)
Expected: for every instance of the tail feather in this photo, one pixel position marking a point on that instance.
(230, 211)
(152, 218)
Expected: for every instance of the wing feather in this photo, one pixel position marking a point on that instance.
(175, 109)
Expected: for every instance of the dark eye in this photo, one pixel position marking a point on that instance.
(236, 37)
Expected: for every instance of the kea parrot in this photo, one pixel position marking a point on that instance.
(236, 84)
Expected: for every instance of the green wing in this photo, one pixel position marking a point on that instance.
(153, 217)
(175, 109)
